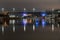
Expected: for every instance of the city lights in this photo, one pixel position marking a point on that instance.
(24, 22)
(24, 14)
(34, 19)
(43, 23)
(43, 14)
(37, 22)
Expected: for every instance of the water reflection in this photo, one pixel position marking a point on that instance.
(37, 22)
(43, 23)
(27, 21)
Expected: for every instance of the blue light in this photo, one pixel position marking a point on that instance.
(43, 23)
(24, 21)
(37, 22)
(24, 14)
(43, 13)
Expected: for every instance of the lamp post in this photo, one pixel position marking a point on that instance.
(33, 20)
(53, 20)
(24, 20)
(2, 25)
(13, 22)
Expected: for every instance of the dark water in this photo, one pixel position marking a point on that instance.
(30, 36)
(39, 34)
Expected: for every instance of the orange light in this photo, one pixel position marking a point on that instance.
(29, 14)
(5, 24)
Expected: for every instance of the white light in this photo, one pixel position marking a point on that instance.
(52, 27)
(13, 21)
(24, 14)
(58, 25)
(2, 9)
(13, 9)
(24, 21)
(33, 27)
(2, 29)
(24, 9)
(11, 15)
(33, 9)
(13, 28)
(24, 27)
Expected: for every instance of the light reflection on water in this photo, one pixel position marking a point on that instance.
(43, 23)
(21, 26)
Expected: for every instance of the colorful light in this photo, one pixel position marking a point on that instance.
(43, 13)
(37, 22)
(24, 14)
(43, 23)
(24, 21)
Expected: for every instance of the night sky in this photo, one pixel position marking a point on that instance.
(29, 4)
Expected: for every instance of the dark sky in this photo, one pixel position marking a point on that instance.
(29, 4)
